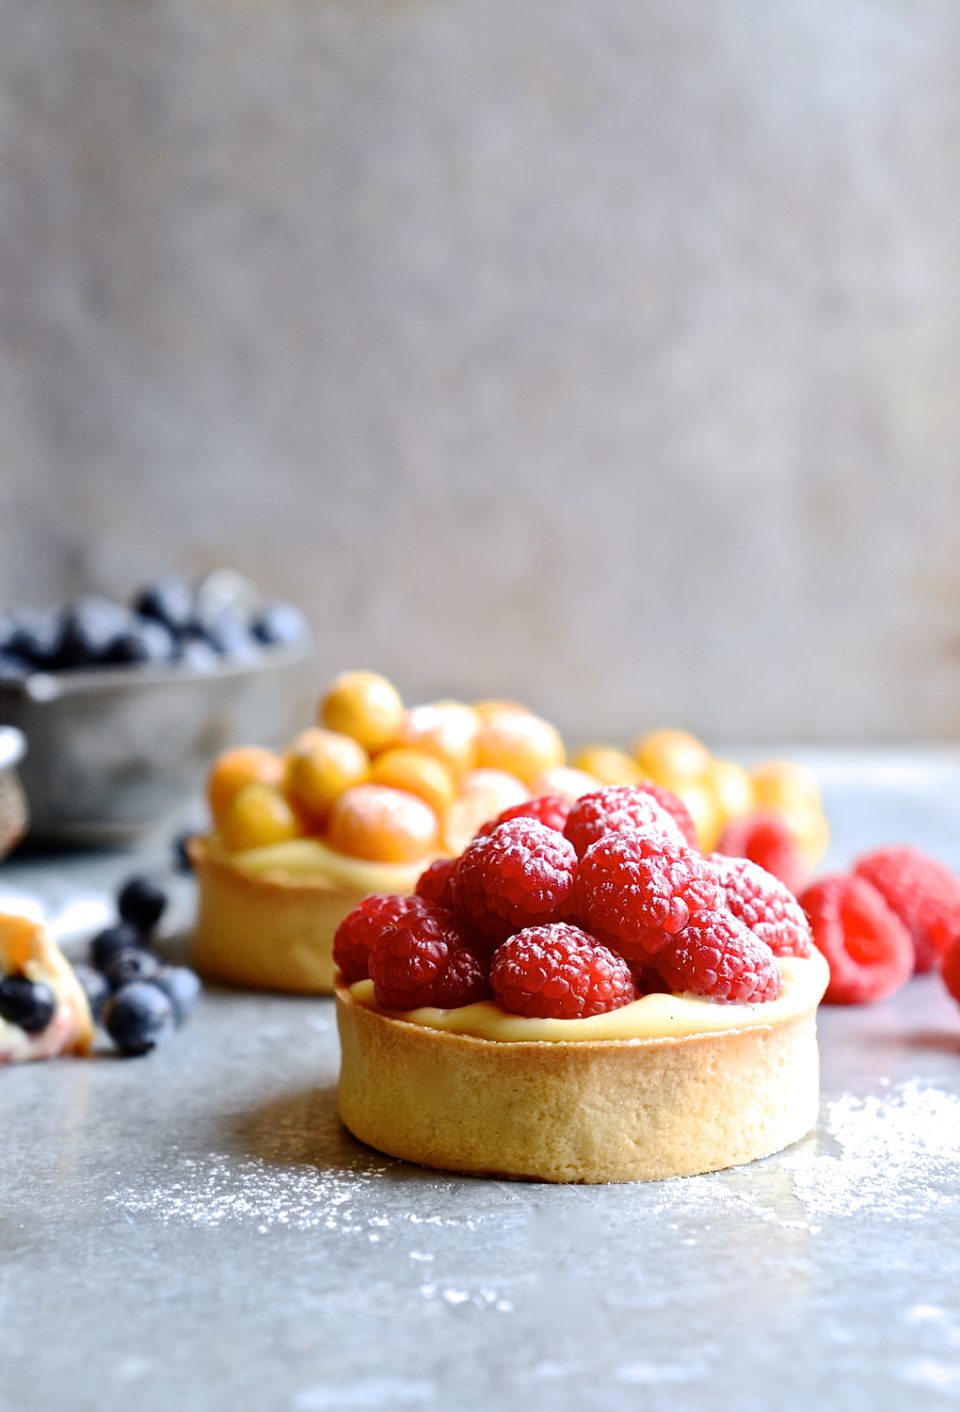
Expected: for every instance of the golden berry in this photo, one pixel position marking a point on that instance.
(669, 756)
(519, 743)
(445, 729)
(608, 764)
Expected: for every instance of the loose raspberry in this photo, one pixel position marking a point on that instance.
(867, 947)
(922, 891)
(548, 809)
(673, 805)
(424, 959)
(613, 809)
(435, 884)
(764, 838)
(559, 973)
(764, 904)
(520, 875)
(361, 930)
(950, 968)
(636, 890)
(717, 956)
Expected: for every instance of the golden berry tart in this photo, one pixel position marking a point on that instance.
(29, 954)
(361, 803)
(581, 999)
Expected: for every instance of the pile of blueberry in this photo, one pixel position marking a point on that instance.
(138, 1000)
(167, 621)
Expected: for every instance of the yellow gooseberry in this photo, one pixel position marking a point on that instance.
(245, 764)
(669, 756)
(445, 729)
(321, 764)
(258, 815)
(382, 825)
(608, 764)
(416, 772)
(519, 743)
(483, 795)
(363, 705)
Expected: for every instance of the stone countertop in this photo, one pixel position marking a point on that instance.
(195, 1230)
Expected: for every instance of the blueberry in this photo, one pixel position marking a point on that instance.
(141, 901)
(8, 628)
(198, 654)
(181, 856)
(13, 667)
(130, 964)
(279, 625)
(28, 1004)
(182, 988)
(119, 937)
(169, 601)
(96, 987)
(138, 1017)
(37, 636)
(230, 636)
(144, 641)
(91, 628)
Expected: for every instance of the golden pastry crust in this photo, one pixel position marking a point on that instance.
(583, 1111)
(27, 948)
(268, 933)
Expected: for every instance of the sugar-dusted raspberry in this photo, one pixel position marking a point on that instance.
(558, 972)
(361, 930)
(922, 891)
(519, 876)
(613, 809)
(636, 890)
(717, 956)
(868, 949)
(673, 805)
(425, 959)
(764, 904)
(764, 838)
(435, 883)
(549, 809)
(950, 968)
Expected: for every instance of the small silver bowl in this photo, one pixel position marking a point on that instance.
(13, 804)
(114, 751)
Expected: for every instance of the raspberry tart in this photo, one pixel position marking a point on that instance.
(581, 996)
(43, 1007)
(359, 804)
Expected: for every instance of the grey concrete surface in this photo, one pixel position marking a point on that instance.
(582, 352)
(195, 1230)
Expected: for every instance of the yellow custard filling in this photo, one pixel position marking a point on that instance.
(650, 1017)
(307, 860)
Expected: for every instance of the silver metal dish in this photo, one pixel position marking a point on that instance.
(113, 751)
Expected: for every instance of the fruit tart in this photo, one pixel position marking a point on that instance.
(43, 1008)
(358, 804)
(581, 996)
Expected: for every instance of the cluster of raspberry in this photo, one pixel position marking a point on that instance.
(562, 911)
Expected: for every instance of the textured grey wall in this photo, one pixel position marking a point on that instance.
(599, 352)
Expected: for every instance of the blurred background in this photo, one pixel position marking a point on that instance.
(605, 355)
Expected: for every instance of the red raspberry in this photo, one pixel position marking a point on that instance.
(559, 973)
(716, 955)
(548, 809)
(424, 959)
(435, 883)
(922, 891)
(613, 809)
(950, 968)
(764, 904)
(764, 838)
(867, 947)
(518, 876)
(636, 890)
(361, 930)
(673, 805)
